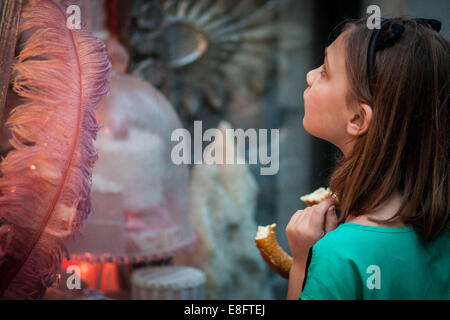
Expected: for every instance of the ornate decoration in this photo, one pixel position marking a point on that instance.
(198, 51)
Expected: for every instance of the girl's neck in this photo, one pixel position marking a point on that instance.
(385, 211)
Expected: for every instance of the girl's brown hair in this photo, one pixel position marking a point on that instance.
(407, 145)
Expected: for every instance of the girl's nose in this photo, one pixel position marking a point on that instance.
(309, 78)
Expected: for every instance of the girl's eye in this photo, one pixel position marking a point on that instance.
(323, 72)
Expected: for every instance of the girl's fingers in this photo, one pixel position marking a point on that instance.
(321, 210)
(295, 218)
(330, 220)
(301, 218)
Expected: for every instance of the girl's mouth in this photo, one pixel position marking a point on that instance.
(305, 94)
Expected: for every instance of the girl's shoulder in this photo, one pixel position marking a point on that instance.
(352, 240)
(355, 237)
(346, 261)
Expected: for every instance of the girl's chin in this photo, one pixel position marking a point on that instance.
(307, 126)
(311, 130)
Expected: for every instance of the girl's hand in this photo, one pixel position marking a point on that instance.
(308, 226)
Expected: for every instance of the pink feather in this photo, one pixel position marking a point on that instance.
(45, 181)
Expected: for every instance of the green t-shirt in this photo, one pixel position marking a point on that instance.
(366, 262)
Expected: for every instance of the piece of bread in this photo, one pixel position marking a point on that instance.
(317, 196)
(267, 243)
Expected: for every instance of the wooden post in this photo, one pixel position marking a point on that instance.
(9, 27)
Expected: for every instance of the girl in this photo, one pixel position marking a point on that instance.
(382, 97)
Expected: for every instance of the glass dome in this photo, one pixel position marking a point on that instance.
(139, 197)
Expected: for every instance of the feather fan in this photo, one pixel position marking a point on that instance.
(45, 180)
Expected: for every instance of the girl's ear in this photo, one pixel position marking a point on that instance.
(359, 120)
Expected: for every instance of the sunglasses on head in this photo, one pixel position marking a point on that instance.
(377, 43)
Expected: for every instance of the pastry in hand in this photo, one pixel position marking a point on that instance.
(267, 243)
(317, 196)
